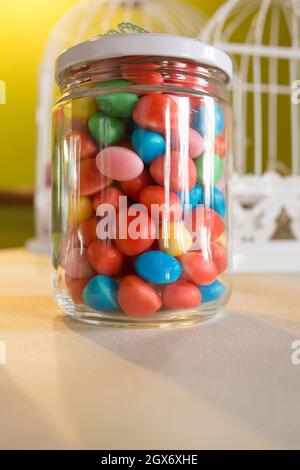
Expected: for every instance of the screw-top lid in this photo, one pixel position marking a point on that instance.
(121, 45)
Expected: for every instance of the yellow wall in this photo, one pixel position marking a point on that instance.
(24, 28)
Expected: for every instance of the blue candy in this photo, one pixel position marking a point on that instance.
(212, 292)
(201, 120)
(100, 293)
(216, 201)
(192, 198)
(158, 267)
(148, 145)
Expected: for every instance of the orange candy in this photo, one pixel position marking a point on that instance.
(151, 111)
(137, 298)
(221, 146)
(90, 179)
(77, 265)
(144, 78)
(156, 195)
(81, 145)
(181, 294)
(87, 231)
(132, 188)
(108, 196)
(143, 228)
(200, 270)
(180, 172)
(105, 257)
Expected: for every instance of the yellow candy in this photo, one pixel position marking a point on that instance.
(222, 240)
(80, 209)
(81, 109)
(175, 239)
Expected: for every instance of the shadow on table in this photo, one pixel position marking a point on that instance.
(241, 363)
(22, 425)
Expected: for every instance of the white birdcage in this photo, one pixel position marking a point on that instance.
(263, 38)
(85, 20)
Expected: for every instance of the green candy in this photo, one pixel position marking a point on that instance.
(117, 104)
(106, 130)
(118, 82)
(213, 168)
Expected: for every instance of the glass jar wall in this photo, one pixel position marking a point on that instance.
(141, 164)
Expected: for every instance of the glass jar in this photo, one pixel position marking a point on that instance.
(141, 165)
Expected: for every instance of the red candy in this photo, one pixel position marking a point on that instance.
(180, 172)
(199, 269)
(181, 294)
(91, 180)
(75, 288)
(87, 231)
(77, 265)
(207, 221)
(221, 146)
(108, 196)
(141, 223)
(137, 298)
(105, 257)
(171, 204)
(81, 144)
(219, 256)
(144, 78)
(132, 188)
(156, 112)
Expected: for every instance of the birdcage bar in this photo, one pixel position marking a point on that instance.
(273, 91)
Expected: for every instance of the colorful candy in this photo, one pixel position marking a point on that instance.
(177, 171)
(210, 169)
(147, 144)
(158, 267)
(105, 257)
(135, 233)
(90, 179)
(132, 188)
(165, 205)
(151, 111)
(181, 294)
(117, 104)
(137, 298)
(100, 294)
(199, 268)
(202, 121)
(106, 130)
(166, 153)
(80, 209)
(119, 163)
(175, 239)
(213, 291)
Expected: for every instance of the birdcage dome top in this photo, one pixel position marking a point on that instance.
(120, 45)
(248, 22)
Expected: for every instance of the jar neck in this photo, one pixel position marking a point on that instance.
(147, 73)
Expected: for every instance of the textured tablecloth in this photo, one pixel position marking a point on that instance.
(227, 383)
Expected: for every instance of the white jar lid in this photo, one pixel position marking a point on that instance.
(121, 45)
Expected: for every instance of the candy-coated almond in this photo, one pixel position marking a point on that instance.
(139, 234)
(137, 298)
(109, 195)
(199, 269)
(175, 239)
(77, 265)
(156, 112)
(179, 172)
(80, 145)
(80, 209)
(105, 257)
(167, 204)
(87, 231)
(119, 163)
(132, 188)
(181, 294)
(90, 179)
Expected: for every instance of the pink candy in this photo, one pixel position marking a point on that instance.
(119, 163)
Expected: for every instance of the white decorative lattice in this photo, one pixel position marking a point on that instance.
(251, 32)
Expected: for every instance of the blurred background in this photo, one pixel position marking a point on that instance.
(262, 37)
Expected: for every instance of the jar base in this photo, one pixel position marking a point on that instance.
(163, 319)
